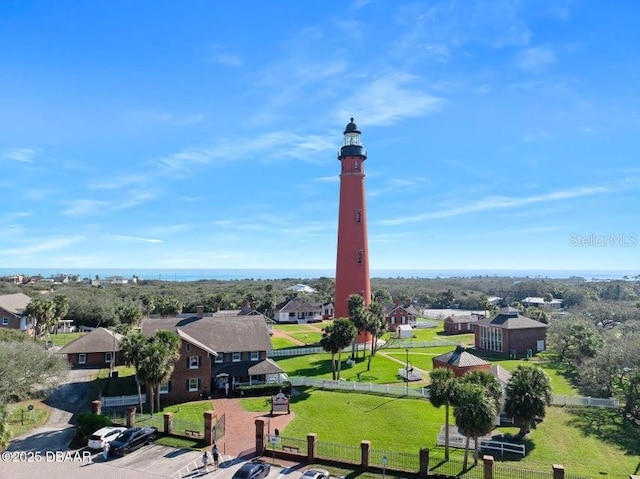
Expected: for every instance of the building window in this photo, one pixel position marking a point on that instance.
(359, 255)
(5, 321)
(236, 357)
(108, 357)
(187, 347)
(356, 165)
(194, 385)
(255, 355)
(163, 388)
(194, 362)
(358, 215)
(82, 358)
(219, 358)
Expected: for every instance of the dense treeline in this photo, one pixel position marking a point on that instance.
(127, 304)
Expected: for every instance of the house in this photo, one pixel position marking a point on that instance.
(510, 334)
(217, 353)
(460, 324)
(460, 361)
(398, 313)
(327, 310)
(541, 303)
(404, 331)
(297, 310)
(12, 312)
(96, 349)
(301, 288)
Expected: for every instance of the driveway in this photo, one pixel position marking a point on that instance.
(69, 398)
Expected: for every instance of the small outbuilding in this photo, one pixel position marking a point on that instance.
(96, 349)
(404, 331)
(460, 361)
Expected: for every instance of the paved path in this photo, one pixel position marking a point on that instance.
(55, 435)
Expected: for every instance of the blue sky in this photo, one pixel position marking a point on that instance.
(166, 134)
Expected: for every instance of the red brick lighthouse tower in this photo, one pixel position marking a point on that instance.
(352, 265)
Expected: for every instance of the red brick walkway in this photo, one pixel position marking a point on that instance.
(240, 429)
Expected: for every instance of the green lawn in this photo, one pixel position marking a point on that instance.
(191, 413)
(282, 343)
(307, 337)
(587, 441)
(22, 420)
(61, 339)
(293, 328)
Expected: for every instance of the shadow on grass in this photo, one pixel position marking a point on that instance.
(607, 425)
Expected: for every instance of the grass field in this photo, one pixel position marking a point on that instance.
(63, 338)
(587, 441)
(282, 343)
(191, 413)
(309, 338)
(22, 420)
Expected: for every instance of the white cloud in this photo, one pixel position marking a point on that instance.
(42, 245)
(136, 239)
(501, 202)
(389, 99)
(535, 59)
(161, 117)
(229, 59)
(84, 207)
(22, 155)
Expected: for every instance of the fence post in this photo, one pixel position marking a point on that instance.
(97, 407)
(209, 422)
(168, 422)
(131, 416)
(311, 446)
(424, 462)
(558, 471)
(488, 466)
(260, 446)
(365, 447)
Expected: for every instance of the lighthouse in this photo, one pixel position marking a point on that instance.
(352, 262)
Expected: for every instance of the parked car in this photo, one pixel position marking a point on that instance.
(106, 434)
(253, 470)
(132, 439)
(315, 474)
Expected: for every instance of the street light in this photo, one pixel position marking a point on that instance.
(406, 373)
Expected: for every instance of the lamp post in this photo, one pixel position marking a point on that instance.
(406, 373)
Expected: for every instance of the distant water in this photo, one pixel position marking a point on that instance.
(266, 274)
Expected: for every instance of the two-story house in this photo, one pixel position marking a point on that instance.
(217, 353)
(398, 314)
(508, 333)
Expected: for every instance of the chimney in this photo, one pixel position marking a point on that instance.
(200, 311)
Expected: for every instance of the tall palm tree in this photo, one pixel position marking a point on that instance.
(490, 384)
(42, 311)
(132, 350)
(527, 396)
(474, 411)
(376, 325)
(335, 338)
(443, 392)
(358, 315)
(61, 309)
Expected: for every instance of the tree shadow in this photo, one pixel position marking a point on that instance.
(608, 425)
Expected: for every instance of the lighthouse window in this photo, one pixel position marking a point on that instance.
(356, 165)
(358, 216)
(359, 255)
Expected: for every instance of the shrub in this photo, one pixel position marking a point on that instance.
(88, 423)
(264, 389)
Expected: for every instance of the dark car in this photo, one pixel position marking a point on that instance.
(253, 470)
(131, 439)
(315, 474)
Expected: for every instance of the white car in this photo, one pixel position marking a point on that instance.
(315, 474)
(106, 434)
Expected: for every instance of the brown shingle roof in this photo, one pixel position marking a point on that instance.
(297, 304)
(100, 340)
(460, 358)
(510, 318)
(220, 333)
(15, 303)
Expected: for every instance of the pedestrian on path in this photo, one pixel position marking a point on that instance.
(216, 455)
(205, 459)
(105, 450)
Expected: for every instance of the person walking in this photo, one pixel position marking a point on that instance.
(216, 455)
(105, 450)
(205, 459)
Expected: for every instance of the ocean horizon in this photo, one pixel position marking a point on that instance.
(195, 274)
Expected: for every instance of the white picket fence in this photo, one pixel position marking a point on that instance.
(117, 401)
(459, 441)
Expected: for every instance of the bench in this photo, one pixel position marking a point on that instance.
(192, 433)
(290, 448)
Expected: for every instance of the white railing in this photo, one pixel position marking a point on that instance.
(115, 401)
(558, 400)
(387, 389)
(459, 441)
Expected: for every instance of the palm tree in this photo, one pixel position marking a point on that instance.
(443, 392)
(61, 308)
(132, 350)
(376, 325)
(474, 411)
(528, 394)
(358, 315)
(42, 311)
(335, 338)
(488, 382)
